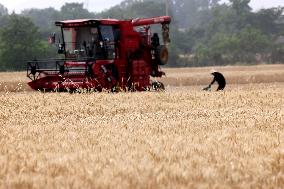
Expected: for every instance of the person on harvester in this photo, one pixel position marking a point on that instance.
(220, 79)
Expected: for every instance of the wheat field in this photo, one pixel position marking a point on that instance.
(181, 138)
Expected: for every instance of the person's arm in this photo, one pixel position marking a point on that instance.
(212, 82)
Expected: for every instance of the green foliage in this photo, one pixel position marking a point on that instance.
(192, 13)
(44, 19)
(277, 53)
(20, 41)
(241, 6)
(269, 20)
(224, 48)
(253, 40)
(3, 10)
(74, 11)
(134, 9)
(237, 35)
(203, 32)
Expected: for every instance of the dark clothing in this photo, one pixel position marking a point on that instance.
(155, 40)
(220, 79)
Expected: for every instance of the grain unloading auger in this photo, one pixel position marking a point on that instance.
(104, 54)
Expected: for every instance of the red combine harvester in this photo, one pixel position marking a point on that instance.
(104, 54)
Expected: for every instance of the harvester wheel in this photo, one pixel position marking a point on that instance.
(158, 86)
(162, 55)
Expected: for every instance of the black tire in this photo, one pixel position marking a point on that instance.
(162, 55)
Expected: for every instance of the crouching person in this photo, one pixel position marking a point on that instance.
(219, 78)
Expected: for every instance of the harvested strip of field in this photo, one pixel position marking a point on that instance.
(17, 81)
(176, 139)
(14, 82)
(233, 75)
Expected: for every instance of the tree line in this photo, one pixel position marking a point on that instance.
(203, 32)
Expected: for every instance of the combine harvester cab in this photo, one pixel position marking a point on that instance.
(104, 54)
